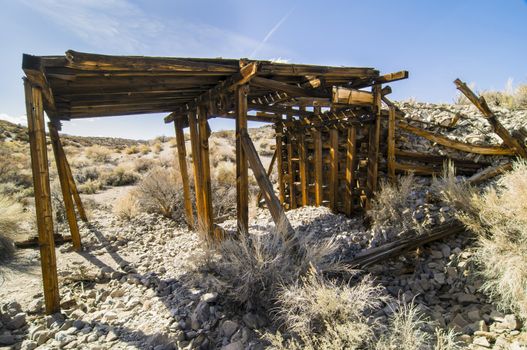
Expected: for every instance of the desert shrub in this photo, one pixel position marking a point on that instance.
(520, 97)
(57, 203)
(11, 216)
(90, 187)
(120, 176)
(391, 209)
(127, 206)
(499, 218)
(160, 192)
(85, 174)
(142, 165)
(97, 153)
(134, 149)
(255, 266)
(510, 98)
(144, 149)
(157, 147)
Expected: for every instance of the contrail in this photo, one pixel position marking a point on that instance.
(271, 32)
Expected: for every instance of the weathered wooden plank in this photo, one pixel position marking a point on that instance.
(489, 173)
(334, 168)
(347, 96)
(317, 141)
(39, 165)
(277, 212)
(391, 145)
(461, 146)
(517, 145)
(65, 188)
(279, 131)
(291, 90)
(197, 168)
(242, 174)
(373, 143)
(182, 157)
(302, 156)
(73, 186)
(269, 172)
(205, 165)
(290, 165)
(351, 155)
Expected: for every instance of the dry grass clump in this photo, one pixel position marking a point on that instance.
(134, 149)
(510, 98)
(142, 165)
(120, 176)
(160, 192)
(11, 216)
(144, 149)
(499, 218)
(255, 266)
(127, 206)
(98, 153)
(391, 208)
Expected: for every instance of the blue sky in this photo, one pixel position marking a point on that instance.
(483, 42)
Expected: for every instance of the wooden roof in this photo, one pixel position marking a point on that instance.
(81, 85)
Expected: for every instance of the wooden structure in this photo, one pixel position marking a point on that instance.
(330, 122)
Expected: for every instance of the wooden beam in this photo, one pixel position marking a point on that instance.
(73, 186)
(317, 140)
(480, 102)
(32, 66)
(351, 155)
(182, 157)
(489, 173)
(391, 145)
(204, 131)
(373, 146)
(279, 131)
(291, 90)
(290, 165)
(65, 187)
(277, 212)
(334, 168)
(242, 174)
(269, 172)
(347, 96)
(197, 168)
(39, 165)
(461, 146)
(302, 156)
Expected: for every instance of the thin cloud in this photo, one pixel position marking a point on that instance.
(271, 32)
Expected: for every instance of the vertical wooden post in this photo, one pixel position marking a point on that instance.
(290, 164)
(279, 130)
(65, 187)
(182, 157)
(205, 164)
(391, 144)
(302, 157)
(317, 139)
(73, 186)
(334, 168)
(242, 171)
(351, 149)
(196, 166)
(39, 165)
(374, 138)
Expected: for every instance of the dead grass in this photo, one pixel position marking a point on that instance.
(11, 216)
(390, 209)
(127, 207)
(509, 98)
(120, 176)
(499, 218)
(98, 153)
(160, 192)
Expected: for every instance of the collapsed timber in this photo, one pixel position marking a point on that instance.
(337, 134)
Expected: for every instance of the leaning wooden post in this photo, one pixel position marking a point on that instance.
(317, 140)
(334, 168)
(391, 144)
(351, 149)
(182, 157)
(204, 131)
(65, 187)
(374, 139)
(242, 171)
(279, 130)
(39, 165)
(196, 164)
(498, 128)
(277, 211)
(73, 186)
